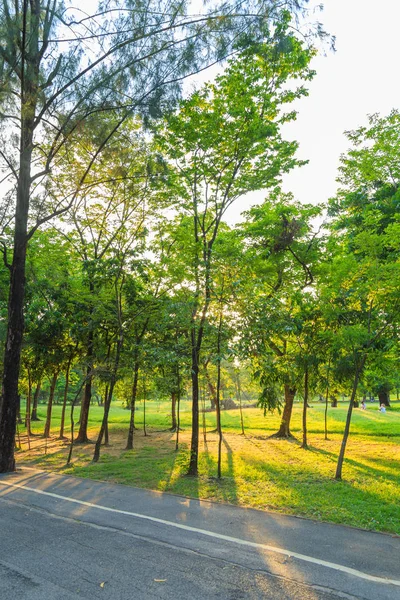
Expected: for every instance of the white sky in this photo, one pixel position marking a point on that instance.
(360, 78)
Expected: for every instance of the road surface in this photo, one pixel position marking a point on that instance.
(64, 538)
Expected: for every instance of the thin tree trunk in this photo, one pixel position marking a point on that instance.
(339, 467)
(106, 435)
(67, 372)
(284, 429)
(105, 395)
(173, 411)
(82, 437)
(305, 406)
(203, 413)
(178, 408)
(326, 412)
(218, 405)
(144, 407)
(28, 410)
(239, 397)
(129, 444)
(46, 433)
(34, 416)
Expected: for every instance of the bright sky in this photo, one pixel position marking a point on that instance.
(360, 78)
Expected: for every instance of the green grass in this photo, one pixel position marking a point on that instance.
(257, 472)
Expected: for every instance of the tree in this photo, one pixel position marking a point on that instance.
(225, 141)
(282, 251)
(363, 273)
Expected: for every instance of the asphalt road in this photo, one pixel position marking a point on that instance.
(64, 538)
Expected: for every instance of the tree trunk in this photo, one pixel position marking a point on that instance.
(339, 467)
(174, 424)
(194, 447)
(15, 328)
(239, 398)
(144, 407)
(82, 437)
(103, 401)
(384, 398)
(28, 410)
(46, 433)
(61, 436)
(284, 429)
(30, 63)
(34, 416)
(334, 401)
(326, 412)
(218, 405)
(178, 377)
(129, 443)
(305, 406)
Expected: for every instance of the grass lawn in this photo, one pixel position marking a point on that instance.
(257, 472)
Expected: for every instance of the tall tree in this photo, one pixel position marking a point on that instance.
(363, 273)
(225, 141)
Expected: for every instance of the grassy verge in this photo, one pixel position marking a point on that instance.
(257, 472)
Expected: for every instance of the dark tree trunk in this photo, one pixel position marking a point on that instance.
(284, 429)
(46, 433)
(194, 447)
(305, 406)
(239, 398)
(28, 410)
(334, 402)
(144, 407)
(384, 398)
(29, 68)
(218, 404)
(178, 378)
(129, 443)
(339, 467)
(62, 437)
(174, 423)
(326, 412)
(82, 437)
(104, 400)
(106, 436)
(34, 416)
(15, 327)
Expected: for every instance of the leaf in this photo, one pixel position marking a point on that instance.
(102, 584)
(160, 580)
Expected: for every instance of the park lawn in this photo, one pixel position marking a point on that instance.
(257, 472)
